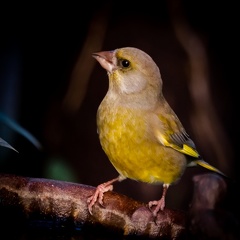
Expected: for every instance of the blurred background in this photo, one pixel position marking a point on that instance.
(50, 86)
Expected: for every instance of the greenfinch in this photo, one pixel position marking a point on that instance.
(138, 130)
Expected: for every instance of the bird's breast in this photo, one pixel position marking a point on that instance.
(128, 142)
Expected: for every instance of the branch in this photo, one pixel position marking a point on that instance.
(65, 204)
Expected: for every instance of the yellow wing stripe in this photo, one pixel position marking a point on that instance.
(189, 151)
(185, 149)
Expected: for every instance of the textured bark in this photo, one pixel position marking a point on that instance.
(64, 204)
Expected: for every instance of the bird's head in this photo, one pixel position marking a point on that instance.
(130, 71)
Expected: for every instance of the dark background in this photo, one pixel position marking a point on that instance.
(45, 49)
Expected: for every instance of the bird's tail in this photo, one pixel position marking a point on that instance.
(206, 165)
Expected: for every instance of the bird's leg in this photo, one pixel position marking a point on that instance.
(100, 190)
(160, 204)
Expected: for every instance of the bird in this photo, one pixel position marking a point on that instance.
(138, 130)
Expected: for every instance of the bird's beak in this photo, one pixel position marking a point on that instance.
(106, 60)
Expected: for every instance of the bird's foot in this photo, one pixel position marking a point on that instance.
(160, 205)
(98, 195)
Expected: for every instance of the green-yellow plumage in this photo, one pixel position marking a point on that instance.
(141, 135)
(132, 148)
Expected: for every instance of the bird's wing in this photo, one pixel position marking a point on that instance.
(178, 141)
(170, 133)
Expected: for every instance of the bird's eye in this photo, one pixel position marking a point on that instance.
(124, 63)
